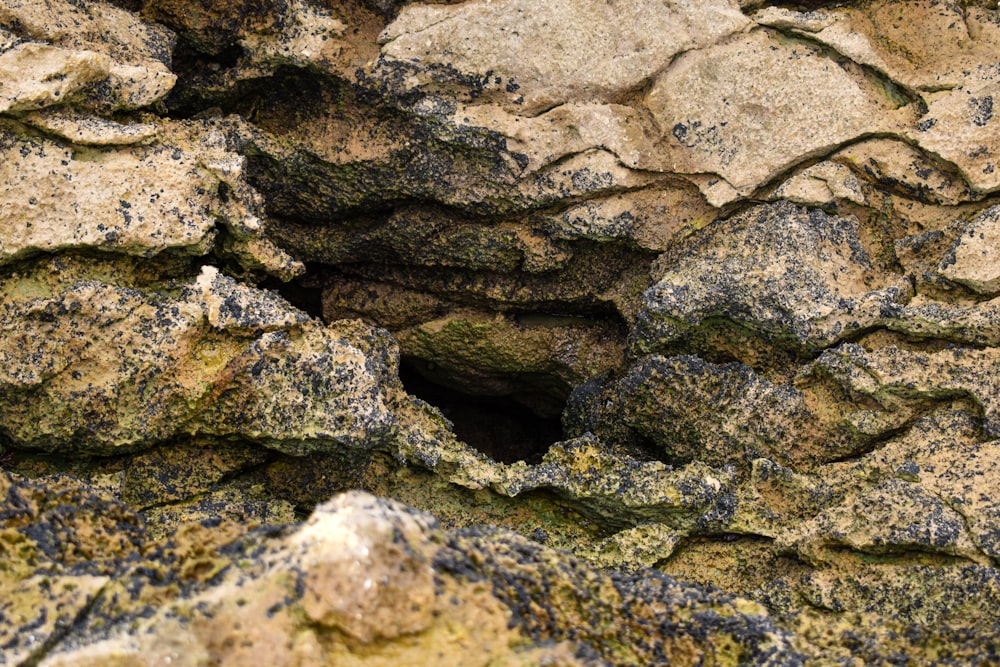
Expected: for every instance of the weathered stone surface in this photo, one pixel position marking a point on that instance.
(895, 165)
(363, 581)
(622, 491)
(752, 245)
(87, 43)
(113, 367)
(944, 458)
(651, 219)
(976, 324)
(690, 410)
(902, 381)
(959, 126)
(793, 276)
(784, 102)
(76, 210)
(536, 58)
(88, 130)
(895, 515)
(974, 258)
(169, 196)
(822, 184)
(427, 237)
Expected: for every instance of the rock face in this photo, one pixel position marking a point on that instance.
(672, 296)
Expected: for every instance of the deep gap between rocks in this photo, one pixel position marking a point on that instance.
(497, 426)
(298, 292)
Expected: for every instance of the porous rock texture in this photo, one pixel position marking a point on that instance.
(499, 332)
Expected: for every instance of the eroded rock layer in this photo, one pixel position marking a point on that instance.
(672, 330)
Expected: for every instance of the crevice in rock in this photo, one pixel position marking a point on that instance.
(198, 72)
(498, 426)
(305, 293)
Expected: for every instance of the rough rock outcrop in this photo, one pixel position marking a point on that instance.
(363, 581)
(694, 290)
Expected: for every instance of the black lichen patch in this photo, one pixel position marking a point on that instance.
(499, 427)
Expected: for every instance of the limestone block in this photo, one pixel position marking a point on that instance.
(651, 219)
(901, 380)
(836, 29)
(976, 324)
(95, 25)
(110, 367)
(365, 581)
(37, 75)
(621, 491)
(86, 130)
(725, 414)
(361, 577)
(896, 165)
(86, 43)
(821, 184)
(960, 127)
(938, 49)
(893, 516)
(924, 45)
(929, 45)
(142, 199)
(944, 453)
(139, 201)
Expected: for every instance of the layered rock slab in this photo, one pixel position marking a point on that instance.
(63, 50)
(578, 166)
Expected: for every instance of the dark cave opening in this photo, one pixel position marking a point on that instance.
(497, 426)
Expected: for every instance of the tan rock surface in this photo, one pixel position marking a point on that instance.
(540, 57)
(975, 257)
(87, 43)
(363, 581)
(791, 275)
(783, 102)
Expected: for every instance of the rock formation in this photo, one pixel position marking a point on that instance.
(499, 332)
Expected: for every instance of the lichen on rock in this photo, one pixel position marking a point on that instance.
(671, 327)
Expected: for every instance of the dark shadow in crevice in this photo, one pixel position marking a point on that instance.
(499, 427)
(305, 292)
